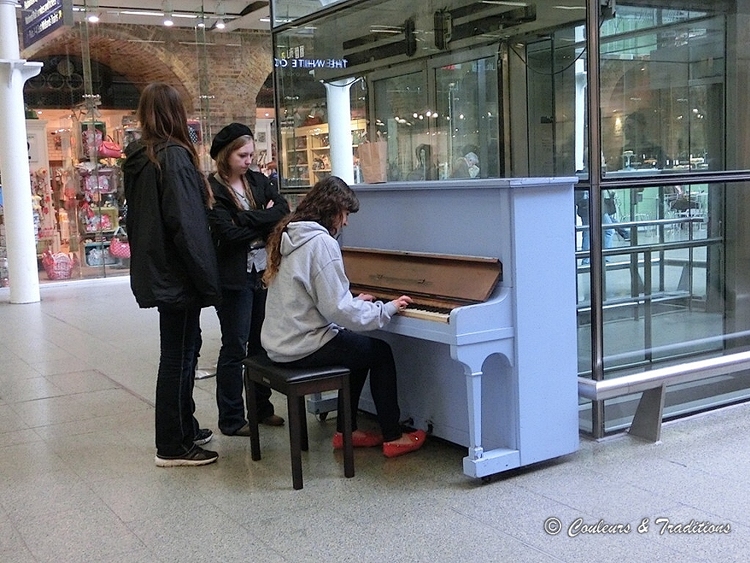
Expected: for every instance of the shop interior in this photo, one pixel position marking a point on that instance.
(80, 118)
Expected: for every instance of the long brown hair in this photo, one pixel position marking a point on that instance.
(324, 203)
(224, 169)
(222, 159)
(163, 118)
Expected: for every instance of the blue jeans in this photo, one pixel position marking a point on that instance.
(363, 354)
(241, 316)
(607, 235)
(179, 330)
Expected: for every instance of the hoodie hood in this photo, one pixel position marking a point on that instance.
(298, 234)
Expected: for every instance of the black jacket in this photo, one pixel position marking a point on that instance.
(233, 229)
(173, 261)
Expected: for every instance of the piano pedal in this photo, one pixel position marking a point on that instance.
(408, 422)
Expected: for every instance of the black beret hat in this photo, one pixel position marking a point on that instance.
(227, 135)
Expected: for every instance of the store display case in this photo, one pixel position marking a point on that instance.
(306, 152)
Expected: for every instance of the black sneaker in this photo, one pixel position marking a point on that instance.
(203, 436)
(196, 456)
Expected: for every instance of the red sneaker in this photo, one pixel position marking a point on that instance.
(392, 449)
(369, 440)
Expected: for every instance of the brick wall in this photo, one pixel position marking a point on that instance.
(219, 73)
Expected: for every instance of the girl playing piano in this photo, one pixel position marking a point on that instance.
(313, 320)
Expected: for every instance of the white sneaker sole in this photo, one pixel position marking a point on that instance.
(166, 462)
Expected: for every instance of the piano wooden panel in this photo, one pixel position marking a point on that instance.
(432, 280)
(501, 377)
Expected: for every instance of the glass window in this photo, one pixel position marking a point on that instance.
(467, 119)
(663, 78)
(441, 125)
(402, 118)
(285, 11)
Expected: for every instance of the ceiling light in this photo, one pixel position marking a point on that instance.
(201, 21)
(220, 12)
(168, 15)
(91, 7)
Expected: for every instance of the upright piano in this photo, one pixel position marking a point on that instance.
(496, 369)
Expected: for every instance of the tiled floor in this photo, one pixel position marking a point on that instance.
(78, 481)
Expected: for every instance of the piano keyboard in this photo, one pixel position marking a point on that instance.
(427, 314)
(424, 312)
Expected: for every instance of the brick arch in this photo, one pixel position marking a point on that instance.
(145, 54)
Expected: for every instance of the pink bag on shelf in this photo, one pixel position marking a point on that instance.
(57, 266)
(117, 247)
(109, 149)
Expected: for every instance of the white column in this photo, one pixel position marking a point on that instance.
(340, 128)
(14, 161)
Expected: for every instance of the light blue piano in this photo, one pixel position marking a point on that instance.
(500, 376)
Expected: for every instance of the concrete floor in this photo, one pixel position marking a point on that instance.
(78, 481)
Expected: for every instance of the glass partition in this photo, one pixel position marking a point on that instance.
(286, 11)
(468, 118)
(488, 89)
(663, 79)
(403, 120)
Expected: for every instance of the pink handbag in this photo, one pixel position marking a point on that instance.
(119, 248)
(109, 149)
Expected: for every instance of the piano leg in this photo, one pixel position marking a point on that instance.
(474, 400)
(479, 463)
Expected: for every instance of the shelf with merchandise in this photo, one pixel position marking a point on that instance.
(306, 152)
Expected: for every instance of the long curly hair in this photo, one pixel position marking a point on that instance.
(325, 203)
(163, 118)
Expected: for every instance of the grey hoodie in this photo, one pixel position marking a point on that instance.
(309, 299)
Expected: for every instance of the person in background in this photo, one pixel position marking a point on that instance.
(467, 166)
(313, 320)
(609, 217)
(273, 174)
(172, 264)
(246, 210)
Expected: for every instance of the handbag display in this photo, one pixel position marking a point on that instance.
(117, 247)
(109, 149)
(58, 266)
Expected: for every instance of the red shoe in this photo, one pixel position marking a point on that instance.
(369, 440)
(392, 449)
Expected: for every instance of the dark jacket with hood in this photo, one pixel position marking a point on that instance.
(234, 229)
(173, 261)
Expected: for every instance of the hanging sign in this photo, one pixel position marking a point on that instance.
(310, 63)
(41, 18)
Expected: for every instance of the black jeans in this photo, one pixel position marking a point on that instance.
(361, 354)
(241, 316)
(179, 331)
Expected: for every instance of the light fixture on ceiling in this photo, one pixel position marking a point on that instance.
(91, 7)
(168, 15)
(220, 13)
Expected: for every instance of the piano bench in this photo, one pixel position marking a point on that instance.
(295, 383)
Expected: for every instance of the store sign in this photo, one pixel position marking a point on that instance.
(41, 18)
(310, 63)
